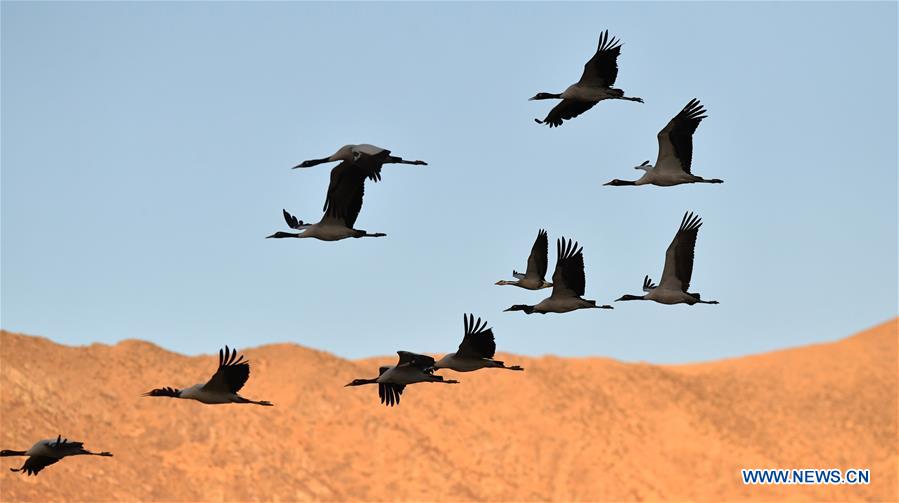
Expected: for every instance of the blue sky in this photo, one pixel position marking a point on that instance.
(146, 150)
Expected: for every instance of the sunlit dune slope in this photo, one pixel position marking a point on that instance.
(565, 429)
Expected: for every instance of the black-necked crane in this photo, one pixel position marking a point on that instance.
(230, 377)
(342, 206)
(568, 283)
(675, 157)
(535, 274)
(672, 288)
(369, 157)
(46, 452)
(594, 85)
(476, 350)
(410, 369)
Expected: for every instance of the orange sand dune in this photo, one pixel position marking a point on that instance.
(567, 429)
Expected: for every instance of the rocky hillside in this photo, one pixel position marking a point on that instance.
(565, 429)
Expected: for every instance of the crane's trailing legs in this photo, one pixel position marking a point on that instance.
(399, 160)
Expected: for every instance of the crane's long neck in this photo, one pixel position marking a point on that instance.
(313, 162)
(5, 453)
(344, 154)
(522, 307)
(632, 297)
(360, 382)
(503, 282)
(281, 235)
(616, 182)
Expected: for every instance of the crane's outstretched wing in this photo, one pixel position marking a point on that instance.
(389, 392)
(602, 69)
(34, 464)
(676, 138)
(679, 256)
(371, 163)
(478, 341)
(231, 375)
(292, 221)
(345, 192)
(568, 278)
(537, 260)
(565, 110)
(64, 446)
(422, 362)
(368, 149)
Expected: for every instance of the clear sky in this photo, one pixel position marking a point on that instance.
(146, 150)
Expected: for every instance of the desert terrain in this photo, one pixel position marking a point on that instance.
(566, 429)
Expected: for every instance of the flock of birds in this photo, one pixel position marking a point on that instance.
(343, 202)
